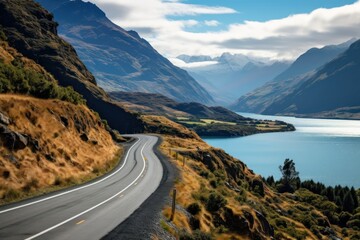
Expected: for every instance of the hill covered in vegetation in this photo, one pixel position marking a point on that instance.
(206, 121)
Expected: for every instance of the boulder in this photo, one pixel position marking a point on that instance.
(84, 137)
(265, 225)
(4, 119)
(12, 139)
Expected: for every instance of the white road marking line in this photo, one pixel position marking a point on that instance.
(92, 208)
(73, 190)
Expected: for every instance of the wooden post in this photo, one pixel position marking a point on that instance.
(173, 205)
(169, 152)
(176, 155)
(184, 159)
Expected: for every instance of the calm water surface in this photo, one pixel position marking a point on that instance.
(324, 150)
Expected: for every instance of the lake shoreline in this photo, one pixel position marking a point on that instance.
(321, 149)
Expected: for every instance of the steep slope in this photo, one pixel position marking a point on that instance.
(334, 87)
(259, 99)
(229, 76)
(45, 144)
(31, 30)
(121, 60)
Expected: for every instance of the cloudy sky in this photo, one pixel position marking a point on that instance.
(276, 29)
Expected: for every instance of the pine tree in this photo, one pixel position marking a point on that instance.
(354, 195)
(289, 176)
(348, 203)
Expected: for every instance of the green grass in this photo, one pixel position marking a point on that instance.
(211, 121)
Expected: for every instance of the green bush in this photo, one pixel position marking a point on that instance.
(215, 202)
(14, 78)
(194, 208)
(344, 217)
(196, 235)
(2, 35)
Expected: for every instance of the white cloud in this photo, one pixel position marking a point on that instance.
(281, 38)
(182, 64)
(211, 23)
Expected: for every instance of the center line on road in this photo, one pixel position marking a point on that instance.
(97, 205)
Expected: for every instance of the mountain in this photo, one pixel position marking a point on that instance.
(229, 76)
(332, 91)
(121, 60)
(30, 29)
(260, 99)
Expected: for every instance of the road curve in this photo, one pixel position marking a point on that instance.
(92, 210)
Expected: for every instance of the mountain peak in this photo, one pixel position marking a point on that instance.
(121, 60)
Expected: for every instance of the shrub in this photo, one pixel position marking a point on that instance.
(194, 208)
(215, 202)
(213, 183)
(344, 217)
(258, 187)
(196, 235)
(15, 78)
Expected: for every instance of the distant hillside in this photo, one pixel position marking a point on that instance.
(232, 75)
(156, 104)
(206, 121)
(261, 98)
(121, 60)
(31, 30)
(333, 91)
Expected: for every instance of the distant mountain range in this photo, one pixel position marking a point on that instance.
(230, 75)
(320, 83)
(121, 60)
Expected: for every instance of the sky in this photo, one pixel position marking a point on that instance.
(274, 29)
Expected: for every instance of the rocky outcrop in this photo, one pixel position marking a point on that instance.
(12, 140)
(4, 119)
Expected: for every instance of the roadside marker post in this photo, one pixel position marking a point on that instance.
(173, 205)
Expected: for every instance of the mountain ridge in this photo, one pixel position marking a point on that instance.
(121, 60)
(304, 66)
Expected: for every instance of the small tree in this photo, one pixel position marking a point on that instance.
(348, 203)
(289, 176)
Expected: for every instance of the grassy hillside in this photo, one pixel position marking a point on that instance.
(45, 144)
(219, 197)
(48, 144)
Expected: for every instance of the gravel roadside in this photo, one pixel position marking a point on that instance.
(144, 223)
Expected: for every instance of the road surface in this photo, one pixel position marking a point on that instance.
(92, 210)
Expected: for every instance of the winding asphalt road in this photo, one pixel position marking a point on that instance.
(92, 210)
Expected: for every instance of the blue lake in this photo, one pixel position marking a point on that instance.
(324, 150)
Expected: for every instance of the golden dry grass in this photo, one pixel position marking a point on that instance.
(64, 158)
(192, 184)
